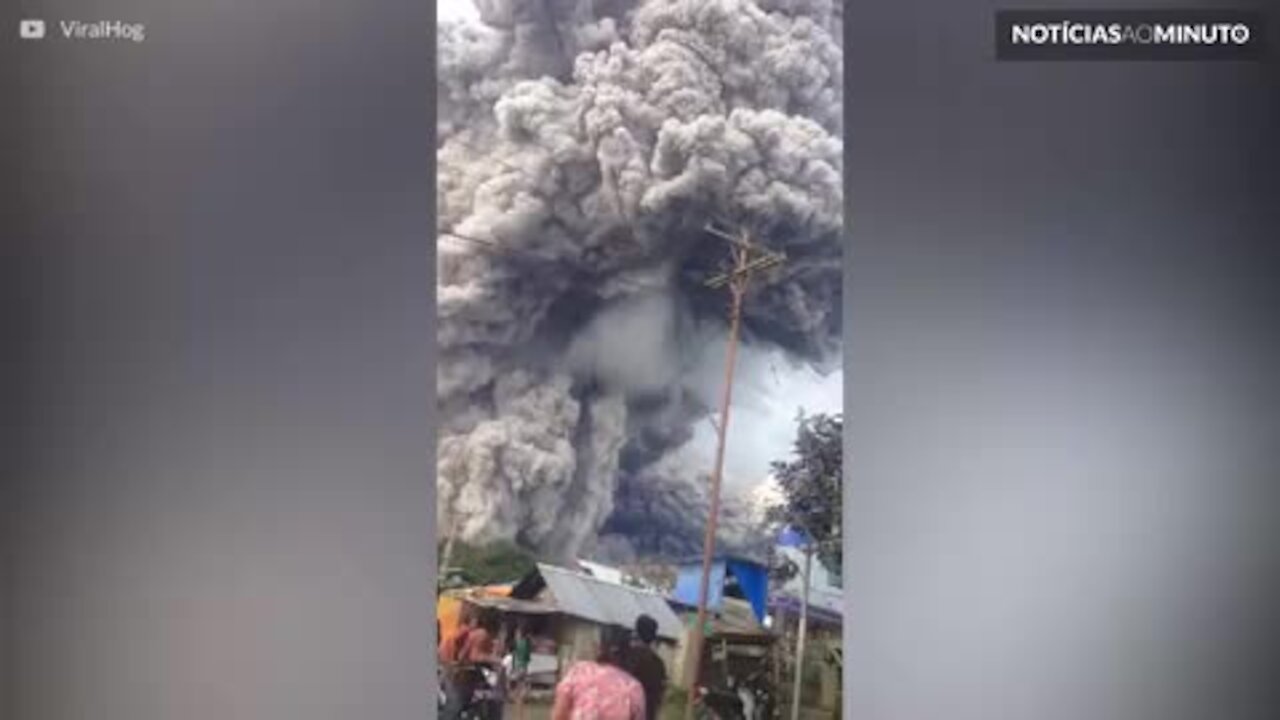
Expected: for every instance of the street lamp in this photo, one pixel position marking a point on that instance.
(810, 547)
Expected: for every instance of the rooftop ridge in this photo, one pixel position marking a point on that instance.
(542, 567)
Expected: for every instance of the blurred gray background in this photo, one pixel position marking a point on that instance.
(223, 289)
(1061, 393)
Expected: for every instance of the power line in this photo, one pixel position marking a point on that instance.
(495, 245)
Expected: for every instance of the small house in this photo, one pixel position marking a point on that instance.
(579, 605)
(736, 641)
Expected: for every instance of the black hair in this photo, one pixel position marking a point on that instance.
(614, 640)
(646, 629)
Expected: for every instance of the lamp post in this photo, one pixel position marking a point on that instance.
(802, 632)
(811, 547)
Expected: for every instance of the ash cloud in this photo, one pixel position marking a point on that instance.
(661, 513)
(583, 148)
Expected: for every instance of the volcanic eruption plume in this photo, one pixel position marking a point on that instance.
(583, 148)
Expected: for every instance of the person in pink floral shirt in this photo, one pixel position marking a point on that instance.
(601, 690)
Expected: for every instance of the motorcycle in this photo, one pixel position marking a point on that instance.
(718, 705)
(748, 699)
(755, 693)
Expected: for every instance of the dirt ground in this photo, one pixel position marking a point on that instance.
(532, 711)
(541, 710)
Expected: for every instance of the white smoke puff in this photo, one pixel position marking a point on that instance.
(751, 378)
(630, 345)
(763, 498)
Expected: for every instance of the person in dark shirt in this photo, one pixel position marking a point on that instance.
(645, 666)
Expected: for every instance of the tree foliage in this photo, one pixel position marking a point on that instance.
(490, 564)
(811, 485)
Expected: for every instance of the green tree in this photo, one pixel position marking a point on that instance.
(811, 485)
(491, 563)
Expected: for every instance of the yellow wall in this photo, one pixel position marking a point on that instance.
(449, 607)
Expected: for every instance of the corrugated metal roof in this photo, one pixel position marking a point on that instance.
(817, 613)
(603, 572)
(608, 603)
(506, 604)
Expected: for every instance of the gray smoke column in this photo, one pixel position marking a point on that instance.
(583, 148)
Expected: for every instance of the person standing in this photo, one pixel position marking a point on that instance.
(603, 689)
(481, 644)
(450, 655)
(645, 666)
(521, 656)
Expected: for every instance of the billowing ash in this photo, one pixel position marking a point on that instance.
(662, 509)
(583, 148)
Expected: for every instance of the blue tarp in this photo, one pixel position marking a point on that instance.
(753, 580)
(686, 592)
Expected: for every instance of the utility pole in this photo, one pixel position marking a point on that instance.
(747, 258)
